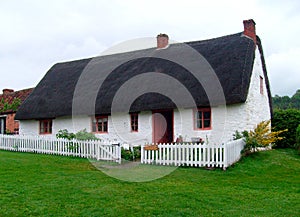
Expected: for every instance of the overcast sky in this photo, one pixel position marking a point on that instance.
(37, 34)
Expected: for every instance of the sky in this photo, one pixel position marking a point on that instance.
(36, 34)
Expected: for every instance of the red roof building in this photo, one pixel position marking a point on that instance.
(10, 101)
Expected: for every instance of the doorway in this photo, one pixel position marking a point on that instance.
(2, 125)
(162, 126)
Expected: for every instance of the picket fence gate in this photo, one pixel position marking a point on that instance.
(193, 154)
(94, 149)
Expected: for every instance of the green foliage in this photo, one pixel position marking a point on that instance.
(6, 106)
(84, 135)
(285, 102)
(126, 154)
(297, 146)
(286, 119)
(81, 135)
(131, 154)
(261, 136)
(64, 134)
(238, 135)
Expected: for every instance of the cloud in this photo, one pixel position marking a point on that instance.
(284, 72)
(37, 35)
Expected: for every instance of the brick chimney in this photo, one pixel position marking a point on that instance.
(162, 41)
(249, 29)
(7, 91)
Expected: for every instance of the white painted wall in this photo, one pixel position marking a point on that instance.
(73, 125)
(225, 120)
(119, 129)
(29, 127)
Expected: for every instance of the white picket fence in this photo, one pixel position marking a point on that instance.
(198, 155)
(94, 149)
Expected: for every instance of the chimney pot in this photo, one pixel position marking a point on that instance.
(162, 40)
(7, 91)
(249, 29)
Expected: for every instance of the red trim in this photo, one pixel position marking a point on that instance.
(195, 119)
(96, 126)
(47, 126)
(134, 124)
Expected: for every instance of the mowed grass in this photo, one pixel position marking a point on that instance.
(264, 184)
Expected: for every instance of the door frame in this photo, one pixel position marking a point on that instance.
(153, 125)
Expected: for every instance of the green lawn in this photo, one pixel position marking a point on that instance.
(265, 184)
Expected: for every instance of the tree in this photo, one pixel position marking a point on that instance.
(286, 119)
(285, 102)
(295, 100)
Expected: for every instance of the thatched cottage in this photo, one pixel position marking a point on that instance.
(195, 90)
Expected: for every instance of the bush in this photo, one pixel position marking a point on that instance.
(238, 135)
(261, 136)
(286, 119)
(131, 154)
(297, 146)
(81, 135)
(84, 135)
(64, 134)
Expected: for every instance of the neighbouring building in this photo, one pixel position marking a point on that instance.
(10, 100)
(238, 75)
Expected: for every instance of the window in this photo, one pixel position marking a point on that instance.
(100, 124)
(45, 126)
(202, 119)
(261, 84)
(134, 122)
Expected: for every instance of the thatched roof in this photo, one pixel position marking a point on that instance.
(231, 58)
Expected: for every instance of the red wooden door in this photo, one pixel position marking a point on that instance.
(162, 127)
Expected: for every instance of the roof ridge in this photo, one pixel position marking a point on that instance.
(154, 48)
(215, 38)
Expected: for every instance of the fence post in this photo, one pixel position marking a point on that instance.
(225, 157)
(142, 154)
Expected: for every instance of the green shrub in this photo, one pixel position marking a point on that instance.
(64, 134)
(238, 135)
(84, 135)
(126, 154)
(131, 154)
(81, 135)
(286, 119)
(297, 146)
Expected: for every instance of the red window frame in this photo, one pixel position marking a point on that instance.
(100, 124)
(134, 122)
(45, 126)
(261, 84)
(202, 119)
